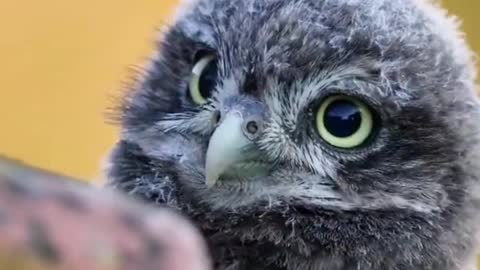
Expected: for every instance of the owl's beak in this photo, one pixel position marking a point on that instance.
(230, 152)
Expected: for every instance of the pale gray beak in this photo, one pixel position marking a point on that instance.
(231, 151)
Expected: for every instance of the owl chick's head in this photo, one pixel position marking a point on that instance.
(303, 107)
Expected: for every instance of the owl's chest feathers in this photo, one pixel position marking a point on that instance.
(252, 241)
(259, 245)
(265, 241)
(302, 240)
(269, 246)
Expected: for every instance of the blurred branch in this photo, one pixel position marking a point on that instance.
(48, 221)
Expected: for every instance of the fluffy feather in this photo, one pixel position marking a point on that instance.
(408, 200)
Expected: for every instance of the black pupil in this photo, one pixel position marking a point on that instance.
(342, 118)
(208, 79)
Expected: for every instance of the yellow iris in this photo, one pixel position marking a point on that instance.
(194, 85)
(358, 136)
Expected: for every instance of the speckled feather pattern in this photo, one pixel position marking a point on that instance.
(409, 200)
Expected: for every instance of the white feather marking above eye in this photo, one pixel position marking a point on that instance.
(303, 93)
(227, 88)
(200, 122)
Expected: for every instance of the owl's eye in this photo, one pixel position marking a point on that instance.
(344, 122)
(203, 79)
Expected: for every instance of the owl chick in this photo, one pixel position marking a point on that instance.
(311, 134)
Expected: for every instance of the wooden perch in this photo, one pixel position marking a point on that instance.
(51, 222)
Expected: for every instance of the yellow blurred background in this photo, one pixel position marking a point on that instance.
(62, 60)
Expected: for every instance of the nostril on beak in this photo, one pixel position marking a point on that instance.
(216, 117)
(252, 127)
